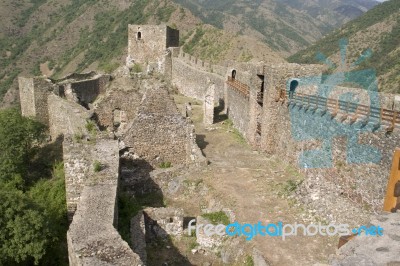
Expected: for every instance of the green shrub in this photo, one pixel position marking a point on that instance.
(137, 68)
(165, 165)
(287, 188)
(249, 261)
(78, 137)
(97, 167)
(91, 126)
(217, 218)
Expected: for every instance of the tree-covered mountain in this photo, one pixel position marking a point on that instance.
(286, 26)
(56, 37)
(378, 30)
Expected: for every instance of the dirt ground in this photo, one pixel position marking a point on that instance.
(248, 183)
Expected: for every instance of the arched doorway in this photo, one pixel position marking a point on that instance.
(233, 74)
(292, 88)
(139, 35)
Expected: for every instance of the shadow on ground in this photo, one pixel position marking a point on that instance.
(138, 191)
(219, 116)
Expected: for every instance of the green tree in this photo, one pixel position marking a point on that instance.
(49, 195)
(19, 141)
(33, 212)
(24, 232)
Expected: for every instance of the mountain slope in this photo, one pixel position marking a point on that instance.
(378, 30)
(55, 37)
(215, 45)
(285, 25)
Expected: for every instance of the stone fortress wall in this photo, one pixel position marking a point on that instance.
(253, 98)
(360, 186)
(253, 103)
(33, 97)
(193, 76)
(71, 108)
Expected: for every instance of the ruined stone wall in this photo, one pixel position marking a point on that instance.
(76, 167)
(27, 96)
(343, 191)
(66, 117)
(92, 237)
(276, 78)
(193, 82)
(33, 96)
(43, 88)
(88, 90)
(238, 110)
(208, 106)
(91, 193)
(159, 139)
(237, 104)
(125, 101)
(159, 133)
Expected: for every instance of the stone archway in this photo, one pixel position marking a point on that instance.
(292, 87)
(233, 74)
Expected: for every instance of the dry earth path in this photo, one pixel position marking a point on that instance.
(250, 183)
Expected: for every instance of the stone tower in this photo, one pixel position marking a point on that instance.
(149, 46)
(33, 93)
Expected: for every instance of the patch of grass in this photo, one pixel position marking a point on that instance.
(194, 183)
(190, 241)
(293, 172)
(217, 218)
(164, 14)
(287, 188)
(109, 67)
(165, 165)
(78, 137)
(235, 132)
(248, 261)
(340, 164)
(238, 136)
(90, 126)
(97, 167)
(137, 68)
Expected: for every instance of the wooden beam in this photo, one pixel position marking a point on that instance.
(390, 199)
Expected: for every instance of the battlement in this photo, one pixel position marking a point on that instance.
(202, 64)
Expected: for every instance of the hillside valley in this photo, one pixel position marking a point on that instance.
(57, 37)
(377, 31)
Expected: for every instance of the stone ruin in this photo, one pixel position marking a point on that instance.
(97, 123)
(105, 119)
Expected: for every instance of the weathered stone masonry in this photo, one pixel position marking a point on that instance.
(159, 133)
(155, 132)
(33, 97)
(91, 195)
(92, 237)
